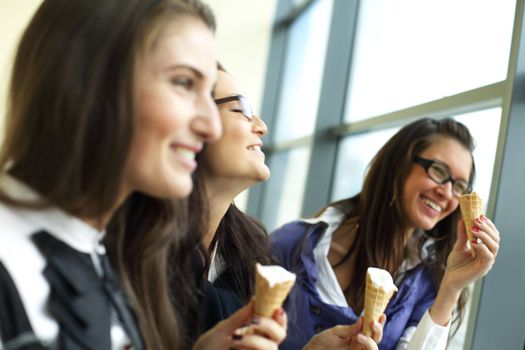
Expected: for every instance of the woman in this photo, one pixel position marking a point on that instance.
(109, 103)
(405, 220)
(232, 240)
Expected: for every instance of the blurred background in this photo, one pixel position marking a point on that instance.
(334, 79)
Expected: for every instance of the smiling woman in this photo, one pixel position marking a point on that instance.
(94, 132)
(406, 220)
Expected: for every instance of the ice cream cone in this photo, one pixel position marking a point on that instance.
(272, 285)
(471, 207)
(379, 289)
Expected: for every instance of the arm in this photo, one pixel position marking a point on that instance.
(462, 269)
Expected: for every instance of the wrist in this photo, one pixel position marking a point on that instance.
(446, 299)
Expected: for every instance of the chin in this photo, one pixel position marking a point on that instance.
(264, 175)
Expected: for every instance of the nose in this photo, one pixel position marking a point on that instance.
(446, 190)
(207, 122)
(259, 126)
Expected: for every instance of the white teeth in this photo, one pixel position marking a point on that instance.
(254, 148)
(186, 153)
(432, 205)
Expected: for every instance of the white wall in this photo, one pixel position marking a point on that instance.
(243, 35)
(14, 16)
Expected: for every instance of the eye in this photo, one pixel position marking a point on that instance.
(439, 172)
(184, 82)
(461, 187)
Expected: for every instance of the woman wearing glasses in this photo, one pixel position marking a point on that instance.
(405, 220)
(232, 241)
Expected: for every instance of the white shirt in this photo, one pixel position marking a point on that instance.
(25, 263)
(427, 336)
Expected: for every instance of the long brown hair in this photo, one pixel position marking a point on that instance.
(379, 210)
(69, 125)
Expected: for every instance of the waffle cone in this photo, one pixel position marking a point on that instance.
(471, 207)
(376, 300)
(268, 297)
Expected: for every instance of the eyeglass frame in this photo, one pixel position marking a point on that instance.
(428, 163)
(246, 108)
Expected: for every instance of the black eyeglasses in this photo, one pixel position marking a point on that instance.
(244, 105)
(440, 173)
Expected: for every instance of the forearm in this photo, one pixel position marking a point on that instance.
(446, 299)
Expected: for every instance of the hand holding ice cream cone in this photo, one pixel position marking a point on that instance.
(378, 291)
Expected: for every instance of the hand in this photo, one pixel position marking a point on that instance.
(261, 334)
(348, 337)
(463, 269)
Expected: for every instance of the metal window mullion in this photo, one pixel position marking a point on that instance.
(500, 314)
(272, 92)
(331, 104)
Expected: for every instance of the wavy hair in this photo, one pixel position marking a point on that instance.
(69, 125)
(380, 214)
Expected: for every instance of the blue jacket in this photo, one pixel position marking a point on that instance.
(293, 246)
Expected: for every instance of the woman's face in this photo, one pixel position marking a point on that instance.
(426, 202)
(237, 154)
(176, 113)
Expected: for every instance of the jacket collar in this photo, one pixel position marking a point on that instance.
(61, 225)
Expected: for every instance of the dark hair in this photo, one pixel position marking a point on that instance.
(379, 210)
(69, 125)
(241, 239)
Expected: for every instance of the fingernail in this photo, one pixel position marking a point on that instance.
(255, 320)
(236, 336)
(475, 228)
(474, 241)
(483, 217)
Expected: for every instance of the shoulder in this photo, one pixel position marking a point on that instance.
(290, 239)
(15, 233)
(286, 238)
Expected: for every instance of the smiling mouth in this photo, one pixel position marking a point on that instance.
(184, 152)
(432, 205)
(255, 148)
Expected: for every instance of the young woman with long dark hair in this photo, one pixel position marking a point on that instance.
(233, 241)
(405, 220)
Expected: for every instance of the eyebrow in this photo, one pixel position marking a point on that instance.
(194, 70)
(448, 169)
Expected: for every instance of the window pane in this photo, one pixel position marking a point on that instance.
(410, 51)
(484, 127)
(285, 189)
(304, 68)
(355, 153)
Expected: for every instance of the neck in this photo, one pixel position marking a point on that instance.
(220, 196)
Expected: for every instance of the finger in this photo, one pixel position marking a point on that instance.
(269, 328)
(483, 225)
(377, 329)
(485, 256)
(487, 240)
(367, 342)
(281, 317)
(347, 331)
(254, 342)
(237, 320)
(489, 222)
